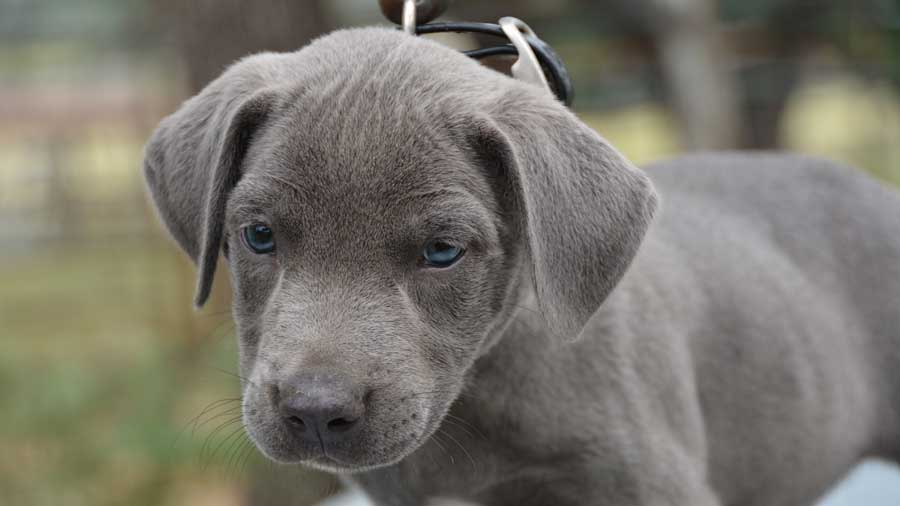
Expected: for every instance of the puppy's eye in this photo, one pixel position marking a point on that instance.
(441, 254)
(259, 238)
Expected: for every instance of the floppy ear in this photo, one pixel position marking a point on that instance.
(583, 207)
(194, 159)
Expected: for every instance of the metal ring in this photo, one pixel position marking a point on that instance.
(409, 16)
(426, 10)
(527, 67)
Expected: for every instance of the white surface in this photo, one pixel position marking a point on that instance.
(871, 484)
(349, 498)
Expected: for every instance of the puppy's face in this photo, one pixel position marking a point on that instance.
(369, 265)
(381, 199)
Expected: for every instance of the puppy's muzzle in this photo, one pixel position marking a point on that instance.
(320, 409)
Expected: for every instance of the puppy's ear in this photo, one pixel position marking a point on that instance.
(194, 159)
(582, 206)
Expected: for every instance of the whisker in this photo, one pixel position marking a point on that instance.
(453, 423)
(222, 443)
(208, 440)
(441, 446)
(234, 410)
(460, 421)
(245, 451)
(193, 421)
(232, 450)
(249, 450)
(461, 447)
(224, 324)
(229, 373)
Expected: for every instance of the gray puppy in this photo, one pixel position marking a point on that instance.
(449, 287)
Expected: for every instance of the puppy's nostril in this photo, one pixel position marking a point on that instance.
(341, 424)
(296, 422)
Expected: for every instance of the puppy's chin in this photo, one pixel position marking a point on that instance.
(332, 462)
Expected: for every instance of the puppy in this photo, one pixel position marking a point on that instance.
(447, 286)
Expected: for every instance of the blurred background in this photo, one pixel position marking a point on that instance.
(114, 391)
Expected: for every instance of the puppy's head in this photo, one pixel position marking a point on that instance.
(383, 202)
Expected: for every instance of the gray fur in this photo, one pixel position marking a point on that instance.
(748, 356)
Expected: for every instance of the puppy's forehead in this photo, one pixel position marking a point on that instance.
(368, 137)
(362, 161)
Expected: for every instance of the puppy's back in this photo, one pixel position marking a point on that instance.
(798, 262)
(828, 218)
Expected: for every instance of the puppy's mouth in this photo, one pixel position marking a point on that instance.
(332, 464)
(387, 432)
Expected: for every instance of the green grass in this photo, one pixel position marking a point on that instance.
(101, 372)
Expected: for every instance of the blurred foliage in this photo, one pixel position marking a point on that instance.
(45, 41)
(108, 399)
(93, 388)
(114, 391)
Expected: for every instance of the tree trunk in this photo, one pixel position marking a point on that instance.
(701, 89)
(211, 34)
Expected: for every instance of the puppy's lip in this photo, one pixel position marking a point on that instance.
(328, 463)
(319, 458)
(322, 460)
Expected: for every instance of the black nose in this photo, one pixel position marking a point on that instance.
(319, 406)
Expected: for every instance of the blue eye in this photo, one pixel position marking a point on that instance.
(259, 238)
(441, 254)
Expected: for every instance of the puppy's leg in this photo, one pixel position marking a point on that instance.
(663, 483)
(670, 478)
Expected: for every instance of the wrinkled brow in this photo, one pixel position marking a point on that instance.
(454, 212)
(261, 192)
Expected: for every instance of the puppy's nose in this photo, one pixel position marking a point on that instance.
(321, 406)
